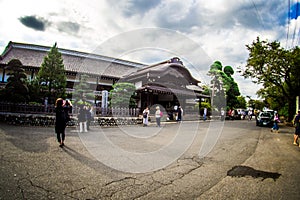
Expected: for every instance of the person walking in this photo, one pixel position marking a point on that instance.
(82, 119)
(250, 114)
(230, 114)
(60, 121)
(158, 115)
(243, 113)
(146, 113)
(222, 114)
(175, 112)
(297, 128)
(180, 113)
(88, 117)
(276, 121)
(204, 114)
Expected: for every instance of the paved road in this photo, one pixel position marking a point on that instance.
(206, 160)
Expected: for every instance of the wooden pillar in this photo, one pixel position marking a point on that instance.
(3, 75)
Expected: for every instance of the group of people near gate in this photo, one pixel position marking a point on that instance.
(85, 116)
(159, 114)
(240, 114)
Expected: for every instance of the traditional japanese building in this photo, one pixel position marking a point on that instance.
(103, 71)
(167, 83)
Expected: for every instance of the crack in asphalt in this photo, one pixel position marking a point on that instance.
(155, 183)
(50, 193)
(181, 174)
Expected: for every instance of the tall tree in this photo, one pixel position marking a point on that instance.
(232, 90)
(51, 76)
(277, 69)
(16, 89)
(224, 85)
(217, 91)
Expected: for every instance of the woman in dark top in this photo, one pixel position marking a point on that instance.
(60, 121)
(179, 116)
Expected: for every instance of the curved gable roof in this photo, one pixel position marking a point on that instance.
(163, 69)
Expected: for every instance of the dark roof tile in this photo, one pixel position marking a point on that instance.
(33, 56)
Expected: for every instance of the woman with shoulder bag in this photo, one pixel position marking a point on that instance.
(276, 121)
(60, 121)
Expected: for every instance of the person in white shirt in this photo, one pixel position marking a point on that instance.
(158, 115)
(146, 113)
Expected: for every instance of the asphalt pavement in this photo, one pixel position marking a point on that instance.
(189, 160)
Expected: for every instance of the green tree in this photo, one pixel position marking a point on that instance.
(217, 83)
(277, 69)
(228, 71)
(16, 89)
(241, 102)
(259, 104)
(122, 95)
(82, 91)
(224, 85)
(51, 76)
(232, 88)
(35, 94)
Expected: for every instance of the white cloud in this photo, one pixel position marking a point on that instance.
(220, 28)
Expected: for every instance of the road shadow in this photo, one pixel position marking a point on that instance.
(94, 164)
(242, 171)
(29, 139)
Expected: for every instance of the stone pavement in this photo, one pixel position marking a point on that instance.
(34, 167)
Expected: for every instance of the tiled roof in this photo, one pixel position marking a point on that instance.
(178, 91)
(166, 69)
(33, 56)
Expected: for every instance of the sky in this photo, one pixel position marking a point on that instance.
(150, 31)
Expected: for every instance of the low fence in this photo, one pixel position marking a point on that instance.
(117, 112)
(43, 120)
(40, 115)
(50, 110)
(26, 108)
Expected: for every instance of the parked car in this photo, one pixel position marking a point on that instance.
(264, 119)
(270, 111)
